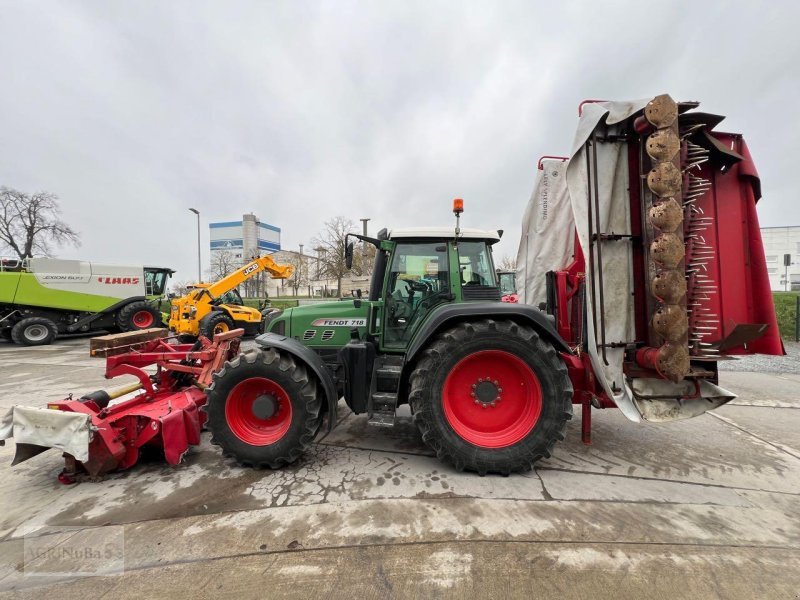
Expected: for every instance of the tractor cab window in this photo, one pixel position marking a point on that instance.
(418, 281)
(478, 277)
(154, 282)
(476, 264)
(231, 297)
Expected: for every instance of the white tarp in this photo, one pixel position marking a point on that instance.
(548, 232)
(67, 431)
(547, 252)
(614, 213)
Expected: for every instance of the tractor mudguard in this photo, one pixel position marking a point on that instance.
(310, 358)
(521, 313)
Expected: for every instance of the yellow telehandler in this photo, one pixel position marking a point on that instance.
(212, 308)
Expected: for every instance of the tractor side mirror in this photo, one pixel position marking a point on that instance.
(348, 255)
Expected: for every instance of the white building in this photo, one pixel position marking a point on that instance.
(246, 238)
(778, 242)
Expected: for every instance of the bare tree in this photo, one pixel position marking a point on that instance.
(223, 263)
(299, 276)
(507, 263)
(180, 288)
(364, 259)
(31, 223)
(331, 239)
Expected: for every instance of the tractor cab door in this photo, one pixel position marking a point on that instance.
(418, 280)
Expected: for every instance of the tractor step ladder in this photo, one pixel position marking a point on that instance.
(385, 383)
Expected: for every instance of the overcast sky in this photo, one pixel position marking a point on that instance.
(132, 112)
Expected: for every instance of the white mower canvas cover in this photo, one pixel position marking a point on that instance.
(37, 429)
(558, 208)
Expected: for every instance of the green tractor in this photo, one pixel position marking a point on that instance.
(484, 379)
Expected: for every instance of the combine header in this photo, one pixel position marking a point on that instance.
(98, 437)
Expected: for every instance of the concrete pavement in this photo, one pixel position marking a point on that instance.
(708, 507)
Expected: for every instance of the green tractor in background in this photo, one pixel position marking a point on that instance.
(484, 379)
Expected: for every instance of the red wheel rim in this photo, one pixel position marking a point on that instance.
(487, 418)
(143, 319)
(241, 409)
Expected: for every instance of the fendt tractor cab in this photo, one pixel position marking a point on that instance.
(431, 327)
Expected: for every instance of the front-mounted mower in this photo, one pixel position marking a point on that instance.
(98, 436)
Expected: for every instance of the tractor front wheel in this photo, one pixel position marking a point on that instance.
(491, 397)
(263, 409)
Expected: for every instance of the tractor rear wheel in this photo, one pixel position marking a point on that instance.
(491, 397)
(137, 316)
(263, 409)
(215, 323)
(34, 331)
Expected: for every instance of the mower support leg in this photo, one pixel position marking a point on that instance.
(586, 421)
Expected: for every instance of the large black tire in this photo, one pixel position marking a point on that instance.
(214, 323)
(137, 316)
(451, 420)
(263, 441)
(34, 331)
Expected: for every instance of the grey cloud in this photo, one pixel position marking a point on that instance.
(132, 112)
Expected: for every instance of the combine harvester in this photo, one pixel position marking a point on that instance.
(640, 268)
(41, 298)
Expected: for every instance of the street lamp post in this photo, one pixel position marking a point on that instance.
(300, 279)
(199, 273)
